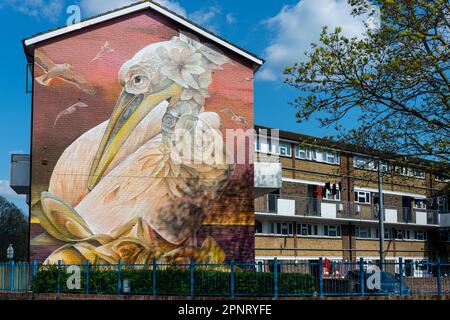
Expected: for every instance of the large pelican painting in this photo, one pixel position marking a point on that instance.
(141, 171)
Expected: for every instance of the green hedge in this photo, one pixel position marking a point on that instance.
(176, 281)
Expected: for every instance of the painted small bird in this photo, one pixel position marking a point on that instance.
(70, 110)
(237, 118)
(105, 49)
(63, 71)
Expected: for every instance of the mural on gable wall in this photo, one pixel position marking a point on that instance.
(130, 186)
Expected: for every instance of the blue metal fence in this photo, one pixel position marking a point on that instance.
(276, 278)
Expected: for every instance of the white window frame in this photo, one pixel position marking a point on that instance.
(367, 197)
(399, 232)
(441, 178)
(282, 145)
(332, 197)
(367, 230)
(298, 149)
(329, 227)
(332, 154)
(422, 232)
(423, 205)
(304, 227)
(284, 226)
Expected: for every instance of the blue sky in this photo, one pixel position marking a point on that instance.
(278, 31)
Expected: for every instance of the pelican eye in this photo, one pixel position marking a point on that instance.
(137, 84)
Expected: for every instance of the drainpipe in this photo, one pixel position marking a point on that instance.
(381, 215)
(349, 199)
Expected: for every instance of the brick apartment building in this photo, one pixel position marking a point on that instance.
(310, 201)
(327, 205)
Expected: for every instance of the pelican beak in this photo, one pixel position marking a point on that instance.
(128, 113)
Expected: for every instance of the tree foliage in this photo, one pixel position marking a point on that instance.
(14, 230)
(394, 78)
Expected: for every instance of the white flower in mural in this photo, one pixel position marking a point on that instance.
(182, 66)
(198, 95)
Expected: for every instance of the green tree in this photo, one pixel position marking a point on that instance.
(394, 78)
(14, 230)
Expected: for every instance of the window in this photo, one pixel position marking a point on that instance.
(367, 163)
(398, 234)
(258, 226)
(407, 234)
(360, 162)
(384, 167)
(284, 149)
(362, 197)
(332, 157)
(419, 204)
(331, 231)
(315, 154)
(418, 174)
(269, 144)
(442, 178)
(420, 235)
(410, 172)
(330, 196)
(306, 229)
(285, 228)
(387, 233)
(442, 203)
(303, 152)
(364, 232)
(257, 143)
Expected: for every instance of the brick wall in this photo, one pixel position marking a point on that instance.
(232, 226)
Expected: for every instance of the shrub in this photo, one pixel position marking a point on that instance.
(176, 281)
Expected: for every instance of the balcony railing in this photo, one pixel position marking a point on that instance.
(313, 207)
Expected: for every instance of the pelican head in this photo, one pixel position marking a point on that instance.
(159, 72)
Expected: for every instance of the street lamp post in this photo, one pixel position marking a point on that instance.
(10, 252)
(381, 215)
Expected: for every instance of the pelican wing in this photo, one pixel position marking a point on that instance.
(43, 61)
(78, 80)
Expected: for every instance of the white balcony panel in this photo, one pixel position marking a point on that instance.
(444, 219)
(286, 207)
(328, 210)
(421, 217)
(390, 215)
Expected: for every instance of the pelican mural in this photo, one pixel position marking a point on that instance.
(140, 184)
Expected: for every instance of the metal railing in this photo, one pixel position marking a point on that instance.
(313, 207)
(275, 278)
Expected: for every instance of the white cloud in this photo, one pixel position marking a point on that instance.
(173, 6)
(90, 7)
(205, 17)
(230, 18)
(296, 27)
(40, 9)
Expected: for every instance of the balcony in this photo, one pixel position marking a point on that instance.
(20, 173)
(332, 209)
